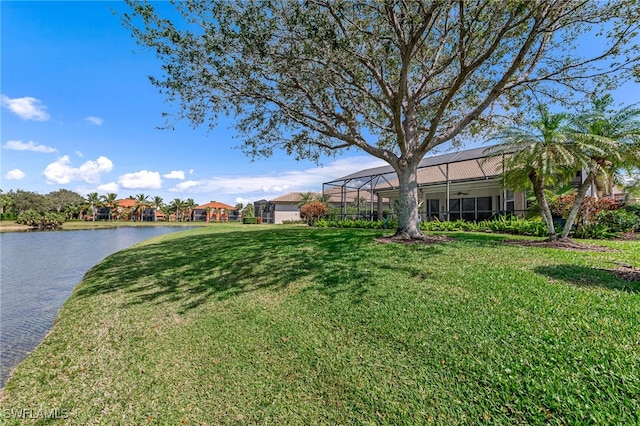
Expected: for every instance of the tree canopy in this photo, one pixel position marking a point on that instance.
(394, 79)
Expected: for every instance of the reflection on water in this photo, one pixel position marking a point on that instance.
(38, 271)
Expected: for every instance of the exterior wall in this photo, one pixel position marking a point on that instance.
(520, 201)
(284, 212)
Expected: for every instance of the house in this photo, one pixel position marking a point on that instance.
(462, 185)
(286, 207)
(213, 211)
(127, 209)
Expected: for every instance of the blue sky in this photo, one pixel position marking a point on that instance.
(78, 112)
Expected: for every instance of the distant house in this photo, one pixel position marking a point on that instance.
(213, 211)
(126, 209)
(287, 207)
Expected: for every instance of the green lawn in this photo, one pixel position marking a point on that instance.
(290, 325)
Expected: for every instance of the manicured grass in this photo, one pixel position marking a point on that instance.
(290, 325)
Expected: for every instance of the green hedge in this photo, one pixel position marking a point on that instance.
(250, 220)
(509, 225)
(8, 216)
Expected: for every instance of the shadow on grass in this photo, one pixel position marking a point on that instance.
(583, 276)
(193, 269)
(476, 238)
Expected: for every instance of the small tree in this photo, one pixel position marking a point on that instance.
(313, 211)
(248, 211)
(611, 141)
(308, 197)
(538, 155)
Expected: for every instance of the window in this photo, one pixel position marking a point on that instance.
(432, 209)
(483, 208)
(470, 208)
(511, 204)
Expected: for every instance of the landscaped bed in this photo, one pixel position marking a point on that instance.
(294, 325)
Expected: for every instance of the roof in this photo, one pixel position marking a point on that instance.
(126, 202)
(292, 197)
(470, 169)
(436, 160)
(216, 205)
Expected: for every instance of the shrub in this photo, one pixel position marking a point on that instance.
(41, 221)
(593, 230)
(250, 220)
(355, 223)
(313, 211)
(515, 225)
(8, 216)
(633, 208)
(618, 220)
(561, 206)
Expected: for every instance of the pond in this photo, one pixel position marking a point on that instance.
(38, 271)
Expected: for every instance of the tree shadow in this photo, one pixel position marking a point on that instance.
(583, 276)
(191, 270)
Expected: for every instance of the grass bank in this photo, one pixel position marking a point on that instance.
(292, 325)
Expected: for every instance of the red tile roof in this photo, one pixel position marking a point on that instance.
(216, 205)
(127, 202)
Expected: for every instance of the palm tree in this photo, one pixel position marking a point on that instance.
(189, 205)
(109, 200)
(307, 197)
(142, 202)
(611, 141)
(539, 155)
(177, 205)
(93, 199)
(157, 204)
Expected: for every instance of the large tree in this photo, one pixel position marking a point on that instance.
(63, 199)
(394, 79)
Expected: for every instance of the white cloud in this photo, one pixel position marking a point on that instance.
(15, 174)
(79, 154)
(175, 174)
(28, 146)
(276, 184)
(96, 121)
(191, 171)
(27, 108)
(187, 185)
(276, 188)
(243, 200)
(143, 179)
(62, 172)
(108, 187)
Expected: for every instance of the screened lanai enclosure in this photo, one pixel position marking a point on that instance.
(463, 185)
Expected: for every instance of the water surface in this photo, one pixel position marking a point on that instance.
(38, 271)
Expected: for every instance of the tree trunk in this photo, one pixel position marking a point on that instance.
(582, 191)
(408, 223)
(538, 190)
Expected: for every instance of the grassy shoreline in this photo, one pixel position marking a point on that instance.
(325, 326)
